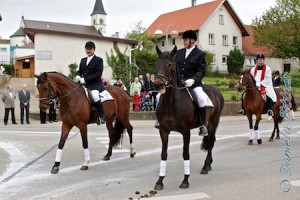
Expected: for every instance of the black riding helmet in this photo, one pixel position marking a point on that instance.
(260, 55)
(189, 34)
(90, 45)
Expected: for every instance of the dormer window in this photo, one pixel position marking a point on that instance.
(94, 22)
(221, 19)
(101, 21)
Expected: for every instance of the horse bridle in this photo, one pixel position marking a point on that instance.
(52, 98)
(246, 85)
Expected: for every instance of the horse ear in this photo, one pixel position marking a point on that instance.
(36, 76)
(45, 75)
(174, 51)
(158, 51)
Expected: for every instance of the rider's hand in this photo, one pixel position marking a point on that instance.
(82, 81)
(257, 84)
(77, 79)
(189, 82)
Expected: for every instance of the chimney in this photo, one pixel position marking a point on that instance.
(194, 2)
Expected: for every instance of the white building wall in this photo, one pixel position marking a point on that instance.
(21, 52)
(61, 51)
(17, 41)
(4, 53)
(229, 28)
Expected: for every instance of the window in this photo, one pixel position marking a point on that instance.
(101, 21)
(235, 41)
(225, 40)
(221, 19)
(26, 65)
(211, 38)
(94, 22)
(2, 49)
(162, 43)
(173, 41)
(224, 59)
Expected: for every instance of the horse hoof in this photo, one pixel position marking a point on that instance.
(84, 167)
(250, 142)
(132, 155)
(277, 137)
(159, 187)
(204, 171)
(271, 140)
(259, 141)
(106, 158)
(184, 185)
(54, 170)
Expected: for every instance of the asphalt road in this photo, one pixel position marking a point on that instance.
(239, 171)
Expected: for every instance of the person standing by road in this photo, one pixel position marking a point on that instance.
(24, 97)
(8, 98)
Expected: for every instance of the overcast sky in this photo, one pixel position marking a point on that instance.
(121, 14)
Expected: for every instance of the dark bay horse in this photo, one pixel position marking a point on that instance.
(76, 110)
(177, 112)
(254, 104)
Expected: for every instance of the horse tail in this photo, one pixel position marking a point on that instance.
(294, 105)
(208, 142)
(117, 133)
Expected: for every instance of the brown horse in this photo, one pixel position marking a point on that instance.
(177, 112)
(254, 104)
(76, 110)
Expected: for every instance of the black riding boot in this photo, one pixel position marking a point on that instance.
(202, 130)
(242, 110)
(269, 106)
(99, 108)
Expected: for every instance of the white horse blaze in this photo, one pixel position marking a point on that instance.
(163, 168)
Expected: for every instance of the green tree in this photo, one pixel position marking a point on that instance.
(235, 61)
(279, 29)
(73, 70)
(209, 61)
(119, 62)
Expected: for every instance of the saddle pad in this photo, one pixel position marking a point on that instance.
(104, 95)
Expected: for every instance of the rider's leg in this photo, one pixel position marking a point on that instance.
(202, 101)
(98, 106)
(269, 105)
(242, 111)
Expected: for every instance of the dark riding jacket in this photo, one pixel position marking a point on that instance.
(192, 67)
(92, 73)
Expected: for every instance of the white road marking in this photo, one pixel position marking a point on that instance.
(194, 196)
(295, 183)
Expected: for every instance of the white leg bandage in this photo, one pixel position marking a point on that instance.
(257, 135)
(58, 155)
(95, 94)
(87, 156)
(252, 135)
(131, 149)
(163, 168)
(186, 165)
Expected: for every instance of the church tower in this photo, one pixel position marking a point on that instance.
(98, 17)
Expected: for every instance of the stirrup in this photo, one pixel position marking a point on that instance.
(203, 131)
(270, 113)
(157, 125)
(100, 120)
(241, 112)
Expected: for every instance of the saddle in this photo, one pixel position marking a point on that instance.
(104, 95)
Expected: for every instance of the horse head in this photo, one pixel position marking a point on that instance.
(47, 93)
(165, 68)
(247, 81)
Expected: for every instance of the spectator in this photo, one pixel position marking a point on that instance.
(120, 84)
(135, 88)
(276, 79)
(24, 97)
(2, 70)
(149, 86)
(141, 80)
(52, 111)
(43, 116)
(8, 99)
(136, 102)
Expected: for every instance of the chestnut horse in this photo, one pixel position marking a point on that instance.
(76, 110)
(177, 112)
(254, 104)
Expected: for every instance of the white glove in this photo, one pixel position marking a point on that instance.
(77, 79)
(82, 81)
(189, 82)
(257, 84)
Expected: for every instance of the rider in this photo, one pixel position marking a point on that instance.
(191, 63)
(263, 77)
(89, 73)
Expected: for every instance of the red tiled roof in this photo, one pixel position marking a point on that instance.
(248, 45)
(193, 17)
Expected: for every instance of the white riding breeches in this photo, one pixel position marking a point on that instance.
(202, 98)
(96, 96)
